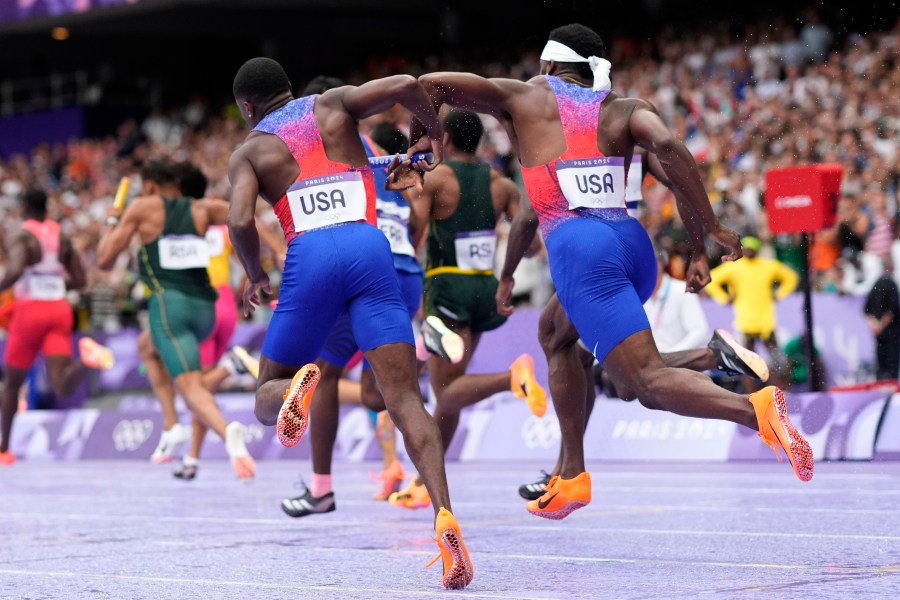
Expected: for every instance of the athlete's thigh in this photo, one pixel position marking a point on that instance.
(172, 331)
(630, 359)
(26, 335)
(311, 297)
(340, 346)
(641, 258)
(411, 288)
(378, 313)
(593, 269)
(58, 336)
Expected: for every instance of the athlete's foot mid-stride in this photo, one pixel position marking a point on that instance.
(293, 418)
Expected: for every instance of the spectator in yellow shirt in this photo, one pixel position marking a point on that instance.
(752, 285)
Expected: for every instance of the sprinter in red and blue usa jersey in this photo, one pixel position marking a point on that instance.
(304, 156)
(575, 138)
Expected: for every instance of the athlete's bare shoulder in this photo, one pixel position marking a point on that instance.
(626, 105)
(143, 206)
(439, 177)
(256, 142)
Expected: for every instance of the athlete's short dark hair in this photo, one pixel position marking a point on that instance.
(464, 128)
(159, 172)
(390, 138)
(259, 80)
(583, 40)
(35, 200)
(191, 180)
(321, 84)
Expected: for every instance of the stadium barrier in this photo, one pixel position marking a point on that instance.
(839, 425)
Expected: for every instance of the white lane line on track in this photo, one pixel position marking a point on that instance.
(256, 584)
(701, 533)
(509, 524)
(891, 569)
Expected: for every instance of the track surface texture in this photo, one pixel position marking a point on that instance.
(127, 529)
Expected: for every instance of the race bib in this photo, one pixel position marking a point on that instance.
(593, 182)
(635, 179)
(179, 252)
(46, 286)
(393, 221)
(327, 200)
(475, 250)
(397, 235)
(215, 237)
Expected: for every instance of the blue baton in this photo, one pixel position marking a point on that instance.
(384, 161)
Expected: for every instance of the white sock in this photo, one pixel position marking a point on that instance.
(190, 461)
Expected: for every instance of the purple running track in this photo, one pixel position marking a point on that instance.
(126, 529)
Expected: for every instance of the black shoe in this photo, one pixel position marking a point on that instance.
(734, 359)
(306, 504)
(184, 472)
(533, 491)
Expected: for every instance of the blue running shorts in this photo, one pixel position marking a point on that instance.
(347, 268)
(603, 271)
(341, 346)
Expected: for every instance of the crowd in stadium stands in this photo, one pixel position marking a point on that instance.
(780, 93)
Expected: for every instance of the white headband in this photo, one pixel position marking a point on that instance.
(599, 66)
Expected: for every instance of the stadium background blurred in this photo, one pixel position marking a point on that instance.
(91, 89)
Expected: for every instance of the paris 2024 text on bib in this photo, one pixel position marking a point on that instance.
(593, 182)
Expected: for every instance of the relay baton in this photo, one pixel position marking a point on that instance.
(119, 204)
(384, 161)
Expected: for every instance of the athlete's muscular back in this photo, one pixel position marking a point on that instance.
(441, 193)
(24, 250)
(146, 217)
(530, 113)
(273, 162)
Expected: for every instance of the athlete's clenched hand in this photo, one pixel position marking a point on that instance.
(402, 175)
(251, 294)
(697, 276)
(504, 296)
(729, 238)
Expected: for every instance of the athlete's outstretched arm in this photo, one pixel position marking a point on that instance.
(379, 95)
(117, 237)
(469, 91)
(697, 276)
(651, 133)
(242, 227)
(16, 263)
(521, 234)
(472, 92)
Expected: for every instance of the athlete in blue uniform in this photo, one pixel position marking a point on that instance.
(393, 218)
(575, 138)
(305, 158)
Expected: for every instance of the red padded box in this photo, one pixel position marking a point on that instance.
(803, 199)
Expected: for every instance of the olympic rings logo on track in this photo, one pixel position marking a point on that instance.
(540, 432)
(130, 434)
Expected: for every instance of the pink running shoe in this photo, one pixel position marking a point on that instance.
(293, 418)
